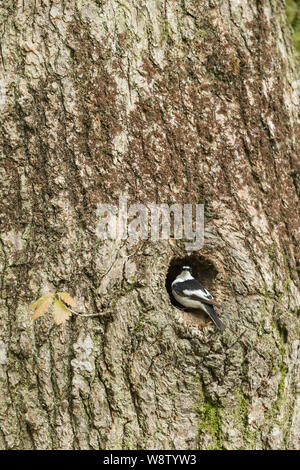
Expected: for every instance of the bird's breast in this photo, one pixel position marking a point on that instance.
(186, 302)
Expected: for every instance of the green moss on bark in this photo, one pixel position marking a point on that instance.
(293, 15)
(209, 411)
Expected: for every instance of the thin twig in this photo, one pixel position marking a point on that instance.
(84, 314)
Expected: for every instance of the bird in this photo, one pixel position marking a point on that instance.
(190, 293)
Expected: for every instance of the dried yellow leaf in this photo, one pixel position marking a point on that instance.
(60, 312)
(42, 307)
(38, 302)
(67, 298)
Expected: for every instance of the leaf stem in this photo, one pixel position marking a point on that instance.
(84, 314)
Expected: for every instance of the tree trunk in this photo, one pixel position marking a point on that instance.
(166, 101)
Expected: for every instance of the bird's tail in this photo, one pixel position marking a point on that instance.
(211, 312)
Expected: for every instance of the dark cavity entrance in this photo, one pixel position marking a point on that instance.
(203, 270)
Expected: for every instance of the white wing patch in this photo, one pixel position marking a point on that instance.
(202, 294)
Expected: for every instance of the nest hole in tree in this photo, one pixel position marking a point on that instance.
(203, 269)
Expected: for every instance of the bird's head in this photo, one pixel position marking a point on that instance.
(184, 275)
(186, 269)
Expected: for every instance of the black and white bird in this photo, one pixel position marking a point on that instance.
(190, 293)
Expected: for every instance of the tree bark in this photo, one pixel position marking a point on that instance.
(165, 101)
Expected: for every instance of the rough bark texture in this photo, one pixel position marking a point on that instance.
(168, 101)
